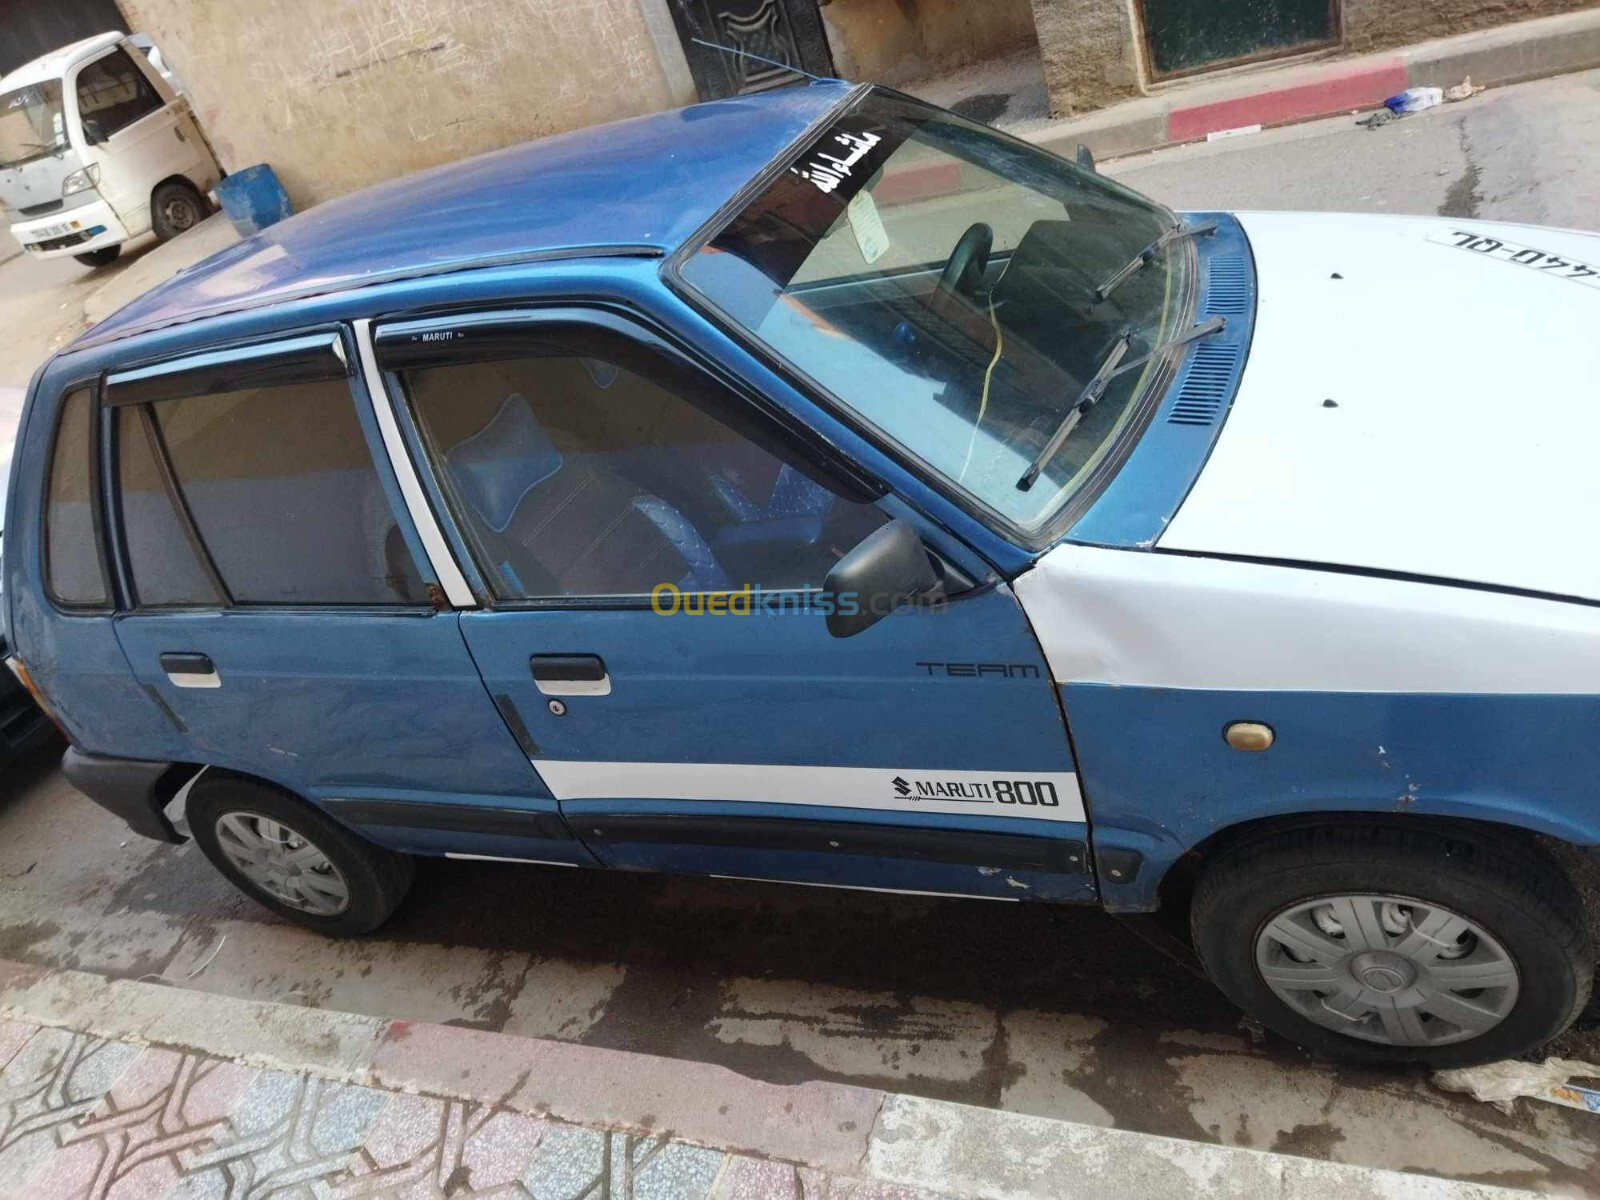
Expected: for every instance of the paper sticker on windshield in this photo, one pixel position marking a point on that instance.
(1524, 256)
(866, 223)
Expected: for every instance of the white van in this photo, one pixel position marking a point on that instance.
(97, 147)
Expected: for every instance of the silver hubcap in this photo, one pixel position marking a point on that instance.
(282, 863)
(1387, 969)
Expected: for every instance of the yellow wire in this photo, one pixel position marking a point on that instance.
(983, 405)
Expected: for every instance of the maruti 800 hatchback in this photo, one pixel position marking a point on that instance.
(821, 487)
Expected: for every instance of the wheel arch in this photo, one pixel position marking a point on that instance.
(1173, 889)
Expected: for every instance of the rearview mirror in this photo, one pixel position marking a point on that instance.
(1084, 158)
(887, 569)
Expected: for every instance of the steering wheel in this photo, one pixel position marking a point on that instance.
(963, 271)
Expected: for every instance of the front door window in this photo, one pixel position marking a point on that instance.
(575, 476)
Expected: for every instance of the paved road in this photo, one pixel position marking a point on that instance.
(1058, 1012)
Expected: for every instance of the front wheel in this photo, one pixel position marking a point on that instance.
(294, 859)
(1390, 945)
(175, 208)
(102, 257)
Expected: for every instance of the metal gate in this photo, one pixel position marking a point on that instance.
(1182, 36)
(786, 31)
(29, 28)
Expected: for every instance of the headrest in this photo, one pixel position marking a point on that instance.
(501, 463)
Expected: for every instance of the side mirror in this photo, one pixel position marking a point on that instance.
(1084, 158)
(887, 569)
(92, 132)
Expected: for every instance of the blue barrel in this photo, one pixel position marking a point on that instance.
(253, 199)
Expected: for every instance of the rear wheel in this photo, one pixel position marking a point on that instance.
(293, 859)
(1391, 945)
(102, 257)
(177, 207)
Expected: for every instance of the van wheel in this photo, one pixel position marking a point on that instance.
(102, 257)
(176, 207)
(1395, 946)
(293, 859)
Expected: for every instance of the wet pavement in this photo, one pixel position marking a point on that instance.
(1048, 1011)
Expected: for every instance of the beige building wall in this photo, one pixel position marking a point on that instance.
(338, 94)
(894, 41)
(1093, 50)
(1379, 24)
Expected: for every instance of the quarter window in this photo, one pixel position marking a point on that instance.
(113, 93)
(72, 555)
(272, 498)
(576, 476)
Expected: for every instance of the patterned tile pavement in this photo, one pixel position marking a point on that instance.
(82, 1118)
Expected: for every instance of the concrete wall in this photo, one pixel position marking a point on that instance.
(895, 41)
(1378, 24)
(338, 94)
(1092, 52)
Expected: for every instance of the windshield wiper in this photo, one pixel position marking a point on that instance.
(1092, 391)
(1112, 367)
(1205, 329)
(1144, 257)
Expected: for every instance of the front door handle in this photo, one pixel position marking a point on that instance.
(570, 674)
(189, 670)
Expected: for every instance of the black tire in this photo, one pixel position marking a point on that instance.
(377, 878)
(1507, 888)
(102, 257)
(177, 207)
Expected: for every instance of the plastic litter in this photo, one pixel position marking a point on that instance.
(1501, 1083)
(1462, 91)
(1414, 100)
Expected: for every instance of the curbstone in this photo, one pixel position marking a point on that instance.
(980, 1152)
(815, 1124)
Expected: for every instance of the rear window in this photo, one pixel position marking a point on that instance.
(72, 555)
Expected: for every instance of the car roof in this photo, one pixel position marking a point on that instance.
(640, 186)
(55, 64)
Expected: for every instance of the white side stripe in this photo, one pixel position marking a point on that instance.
(856, 887)
(538, 862)
(1045, 795)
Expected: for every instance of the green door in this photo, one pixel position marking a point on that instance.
(1188, 35)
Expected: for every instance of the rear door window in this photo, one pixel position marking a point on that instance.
(72, 552)
(262, 496)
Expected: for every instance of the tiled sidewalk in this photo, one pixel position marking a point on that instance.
(84, 1117)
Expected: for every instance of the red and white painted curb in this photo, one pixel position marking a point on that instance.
(1359, 83)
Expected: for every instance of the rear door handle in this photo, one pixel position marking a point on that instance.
(570, 674)
(189, 670)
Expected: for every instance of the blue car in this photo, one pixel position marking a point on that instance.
(820, 487)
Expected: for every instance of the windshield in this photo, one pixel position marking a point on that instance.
(32, 123)
(939, 281)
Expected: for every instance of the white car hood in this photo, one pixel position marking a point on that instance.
(1463, 438)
